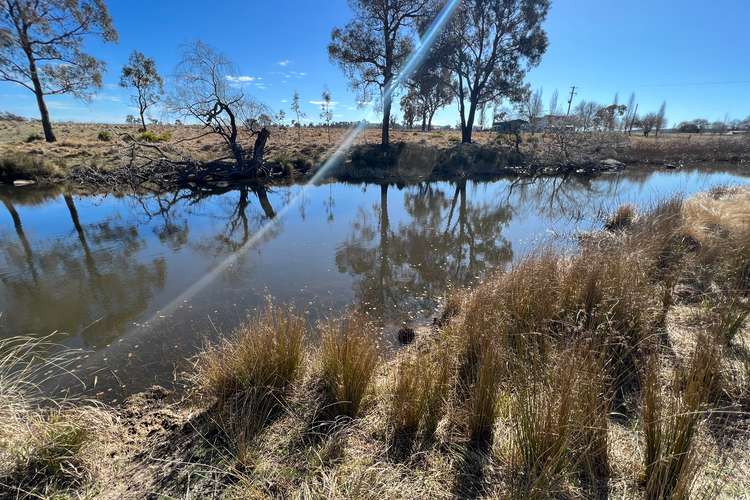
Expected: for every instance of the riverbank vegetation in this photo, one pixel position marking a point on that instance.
(85, 161)
(619, 369)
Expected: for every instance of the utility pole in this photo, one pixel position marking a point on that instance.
(573, 93)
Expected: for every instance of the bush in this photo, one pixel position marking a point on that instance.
(349, 356)
(104, 136)
(33, 138)
(14, 166)
(151, 136)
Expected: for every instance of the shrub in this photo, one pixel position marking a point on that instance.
(348, 359)
(33, 138)
(151, 136)
(104, 136)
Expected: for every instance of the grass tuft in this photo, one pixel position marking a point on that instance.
(248, 375)
(348, 358)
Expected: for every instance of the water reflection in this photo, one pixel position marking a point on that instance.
(102, 268)
(89, 284)
(447, 241)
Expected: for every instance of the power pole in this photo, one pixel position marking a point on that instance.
(573, 93)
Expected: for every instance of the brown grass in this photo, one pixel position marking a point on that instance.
(577, 375)
(246, 377)
(47, 447)
(348, 359)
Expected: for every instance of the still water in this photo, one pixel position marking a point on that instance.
(134, 280)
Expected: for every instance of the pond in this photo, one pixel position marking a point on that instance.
(142, 282)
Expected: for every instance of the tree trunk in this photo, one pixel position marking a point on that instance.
(143, 121)
(468, 127)
(424, 121)
(260, 145)
(262, 195)
(385, 132)
(429, 121)
(49, 136)
(22, 238)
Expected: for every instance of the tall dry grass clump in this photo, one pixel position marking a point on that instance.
(559, 419)
(348, 358)
(247, 376)
(483, 395)
(420, 389)
(47, 447)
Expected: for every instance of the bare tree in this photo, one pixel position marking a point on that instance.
(532, 108)
(585, 112)
(661, 119)
(372, 48)
(297, 110)
(648, 123)
(326, 111)
(41, 48)
(554, 109)
(140, 73)
(204, 92)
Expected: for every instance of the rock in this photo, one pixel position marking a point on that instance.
(406, 335)
(22, 183)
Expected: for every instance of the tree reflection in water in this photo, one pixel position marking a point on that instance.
(447, 241)
(90, 284)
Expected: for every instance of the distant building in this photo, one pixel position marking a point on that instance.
(510, 126)
(549, 121)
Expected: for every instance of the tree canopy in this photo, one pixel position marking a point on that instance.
(41, 47)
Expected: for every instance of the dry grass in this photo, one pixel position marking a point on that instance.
(48, 448)
(348, 359)
(80, 145)
(246, 377)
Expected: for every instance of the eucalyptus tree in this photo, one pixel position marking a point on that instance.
(140, 73)
(489, 47)
(373, 47)
(41, 48)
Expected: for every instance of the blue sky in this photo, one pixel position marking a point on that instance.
(691, 53)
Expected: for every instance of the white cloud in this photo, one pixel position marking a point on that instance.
(241, 79)
(284, 101)
(106, 97)
(320, 103)
(285, 63)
